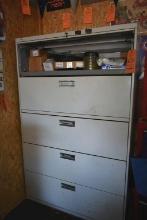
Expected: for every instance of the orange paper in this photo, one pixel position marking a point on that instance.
(26, 10)
(87, 19)
(66, 18)
(111, 12)
(131, 61)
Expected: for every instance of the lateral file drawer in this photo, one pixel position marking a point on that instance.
(97, 137)
(100, 173)
(92, 95)
(92, 204)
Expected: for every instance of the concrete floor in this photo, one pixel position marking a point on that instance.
(29, 210)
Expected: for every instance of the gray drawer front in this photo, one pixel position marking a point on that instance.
(97, 137)
(95, 95)
(82, 201)
(96, 172)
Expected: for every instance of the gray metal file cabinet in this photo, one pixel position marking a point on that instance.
(76, 126)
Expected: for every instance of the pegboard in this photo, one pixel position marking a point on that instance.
(52, 21)
(132, 11)
(11, 163)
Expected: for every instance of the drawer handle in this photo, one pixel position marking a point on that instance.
(67, 123)
(68, 187)
(67, 156)
(66, 83)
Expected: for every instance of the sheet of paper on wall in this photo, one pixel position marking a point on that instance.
(87, 15)
(25, 7)
(111, 13)
(66, 18)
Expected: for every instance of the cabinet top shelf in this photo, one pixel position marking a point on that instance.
(110, 42)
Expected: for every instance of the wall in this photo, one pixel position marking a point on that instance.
(52, 21)
(11, 169)
(128, 11)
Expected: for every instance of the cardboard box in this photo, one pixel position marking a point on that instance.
(78, 64)
(69, 65)
(34, 53)
(36, 63)
(37, 53)
(64, 65)
(60, 65)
